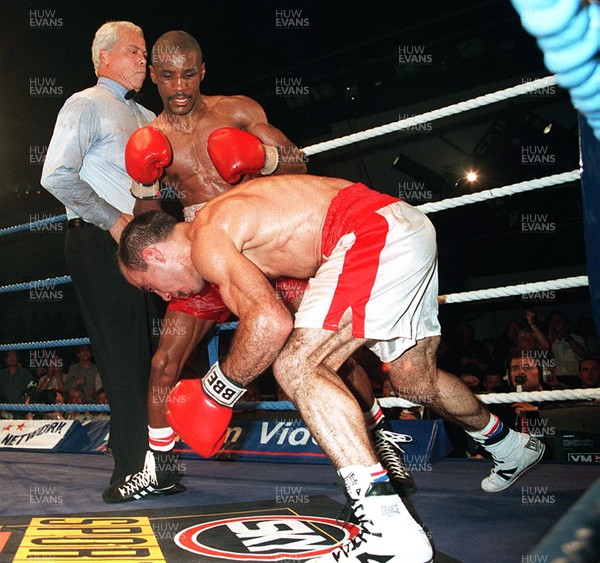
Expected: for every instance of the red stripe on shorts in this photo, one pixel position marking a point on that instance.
(357, 278)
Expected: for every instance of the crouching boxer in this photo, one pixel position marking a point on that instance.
(372, 264)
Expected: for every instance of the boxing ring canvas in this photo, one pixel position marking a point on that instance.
(257, 511)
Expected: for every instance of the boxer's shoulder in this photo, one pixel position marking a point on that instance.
(234, 105)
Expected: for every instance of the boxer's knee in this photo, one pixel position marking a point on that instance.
(414, 373)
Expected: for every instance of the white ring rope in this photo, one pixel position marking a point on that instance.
(494, 193)
(426, 117)
(512, 290)
(449, 203)
(499, 398)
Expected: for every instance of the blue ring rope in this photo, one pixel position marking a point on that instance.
(32, 225)
(568, 33)
(44, 344)
(35, 285)
(250, 405)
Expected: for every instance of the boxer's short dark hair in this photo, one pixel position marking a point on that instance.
(143, 231)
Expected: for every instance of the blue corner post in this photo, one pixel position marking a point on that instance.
(590, 185)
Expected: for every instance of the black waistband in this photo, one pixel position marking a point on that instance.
(77, 222)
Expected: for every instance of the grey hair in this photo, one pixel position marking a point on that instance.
(107, 36)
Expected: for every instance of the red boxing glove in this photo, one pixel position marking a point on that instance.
(200, 411)
(235, 153)
(146, 154)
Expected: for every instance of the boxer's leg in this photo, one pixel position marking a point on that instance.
(416, 378)
(385, 441)
(306, 370)
(389, 453)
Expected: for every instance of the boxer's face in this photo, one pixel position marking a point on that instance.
(178, 76)
(126, 62)
(166, 277)
(524, 372)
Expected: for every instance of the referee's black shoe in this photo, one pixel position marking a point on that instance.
(160, 476)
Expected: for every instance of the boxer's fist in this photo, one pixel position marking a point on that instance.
(200, 411)
(235, 153)
(146, 154)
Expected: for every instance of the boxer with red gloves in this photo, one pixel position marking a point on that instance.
(372, 263)
(204, 427)
(236, 153)
(188, 119)
(173, 149)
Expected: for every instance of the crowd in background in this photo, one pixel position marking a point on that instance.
(42, 376)
(532, 354)
(537, 353)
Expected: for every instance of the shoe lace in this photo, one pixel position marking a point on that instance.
(141, 479)
(387, 446)
(364, 524)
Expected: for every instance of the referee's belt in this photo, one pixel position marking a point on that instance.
(77, 222)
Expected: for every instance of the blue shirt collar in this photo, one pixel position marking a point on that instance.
(113, 86)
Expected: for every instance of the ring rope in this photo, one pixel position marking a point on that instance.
(385, 402)
(44, 344)
(426, 117)
(499, 398)
(449, 203)
(35, 407)
(512, 290)
(32, 224)
(462, 297)
(503, 191)
(431, 207)
(37, 284)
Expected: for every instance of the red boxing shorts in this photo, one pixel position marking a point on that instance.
(204, 305)
(208, 303)
(380, 261)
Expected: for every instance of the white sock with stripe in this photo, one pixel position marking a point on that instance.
(373, 416)
(161, 439)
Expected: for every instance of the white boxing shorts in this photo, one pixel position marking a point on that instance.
(380, 261)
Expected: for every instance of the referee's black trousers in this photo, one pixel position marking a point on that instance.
(116, 319)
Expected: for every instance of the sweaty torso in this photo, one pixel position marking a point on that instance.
(192, 174)
(275, 222)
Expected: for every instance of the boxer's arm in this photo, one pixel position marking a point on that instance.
(72, 139)
(180, 335)
(143, 205)
(252, 118)
(291, 160)
(264, 322)
(200, 410)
